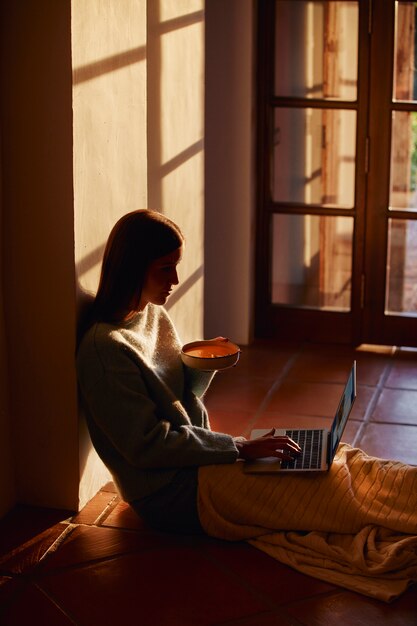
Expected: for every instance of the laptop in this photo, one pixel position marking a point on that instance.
(318, 445)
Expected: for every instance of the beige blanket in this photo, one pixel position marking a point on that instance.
(354, 526)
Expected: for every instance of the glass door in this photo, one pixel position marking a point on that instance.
(390, 312)
(336, 171)
(312, 86)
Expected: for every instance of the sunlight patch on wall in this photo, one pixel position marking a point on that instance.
(176, 142)
(109, 103)
(173, 9)
(181, 60)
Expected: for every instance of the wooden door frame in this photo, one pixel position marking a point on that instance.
(377, 326)
(285, 322)
(379, 171)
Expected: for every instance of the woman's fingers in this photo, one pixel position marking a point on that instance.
(282, 442)
(280, 446)
(288, 443)
(270, 434)
(283, 448)
(285, 454)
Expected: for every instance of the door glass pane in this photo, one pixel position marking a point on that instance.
(314, 156)
(401, 289)
(316, 49)
(405, 73)
(312, 261)
(403, 184)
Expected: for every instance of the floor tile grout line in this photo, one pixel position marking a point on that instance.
(87, 564)
(248, 619)
(378, 390)
(273, 606)
(283, 610)
(106, 511)
(124, 529)
(15, 550)
(371, 405)
(58, 541)
(55, 602)
(274, 386)
(278, 382)
(38, 576)
(270, 604)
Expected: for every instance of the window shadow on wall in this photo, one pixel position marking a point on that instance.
(157, 169)
(110, 64)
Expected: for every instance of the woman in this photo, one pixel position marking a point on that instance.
(143, 406)
(355, 525)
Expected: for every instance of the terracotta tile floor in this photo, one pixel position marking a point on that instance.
(104, 567)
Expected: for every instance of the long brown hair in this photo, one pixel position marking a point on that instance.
(137, 239)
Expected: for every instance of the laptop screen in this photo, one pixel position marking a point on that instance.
(343, 411)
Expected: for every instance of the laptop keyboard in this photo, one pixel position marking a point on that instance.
(310, 442)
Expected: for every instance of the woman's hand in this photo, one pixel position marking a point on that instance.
(282, 447)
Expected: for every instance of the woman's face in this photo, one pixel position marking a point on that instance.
(160, 279)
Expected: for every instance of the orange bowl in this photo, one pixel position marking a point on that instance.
(210, 355)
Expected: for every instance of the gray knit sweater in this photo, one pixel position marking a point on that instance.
(142, 405)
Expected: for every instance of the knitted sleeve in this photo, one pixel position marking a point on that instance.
(146, 424)
(197, 381)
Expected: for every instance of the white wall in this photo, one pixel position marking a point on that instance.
(110, 162)
(138, 117)
(176, 143)
(38, 254)
(128, 133)
(229, 179)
